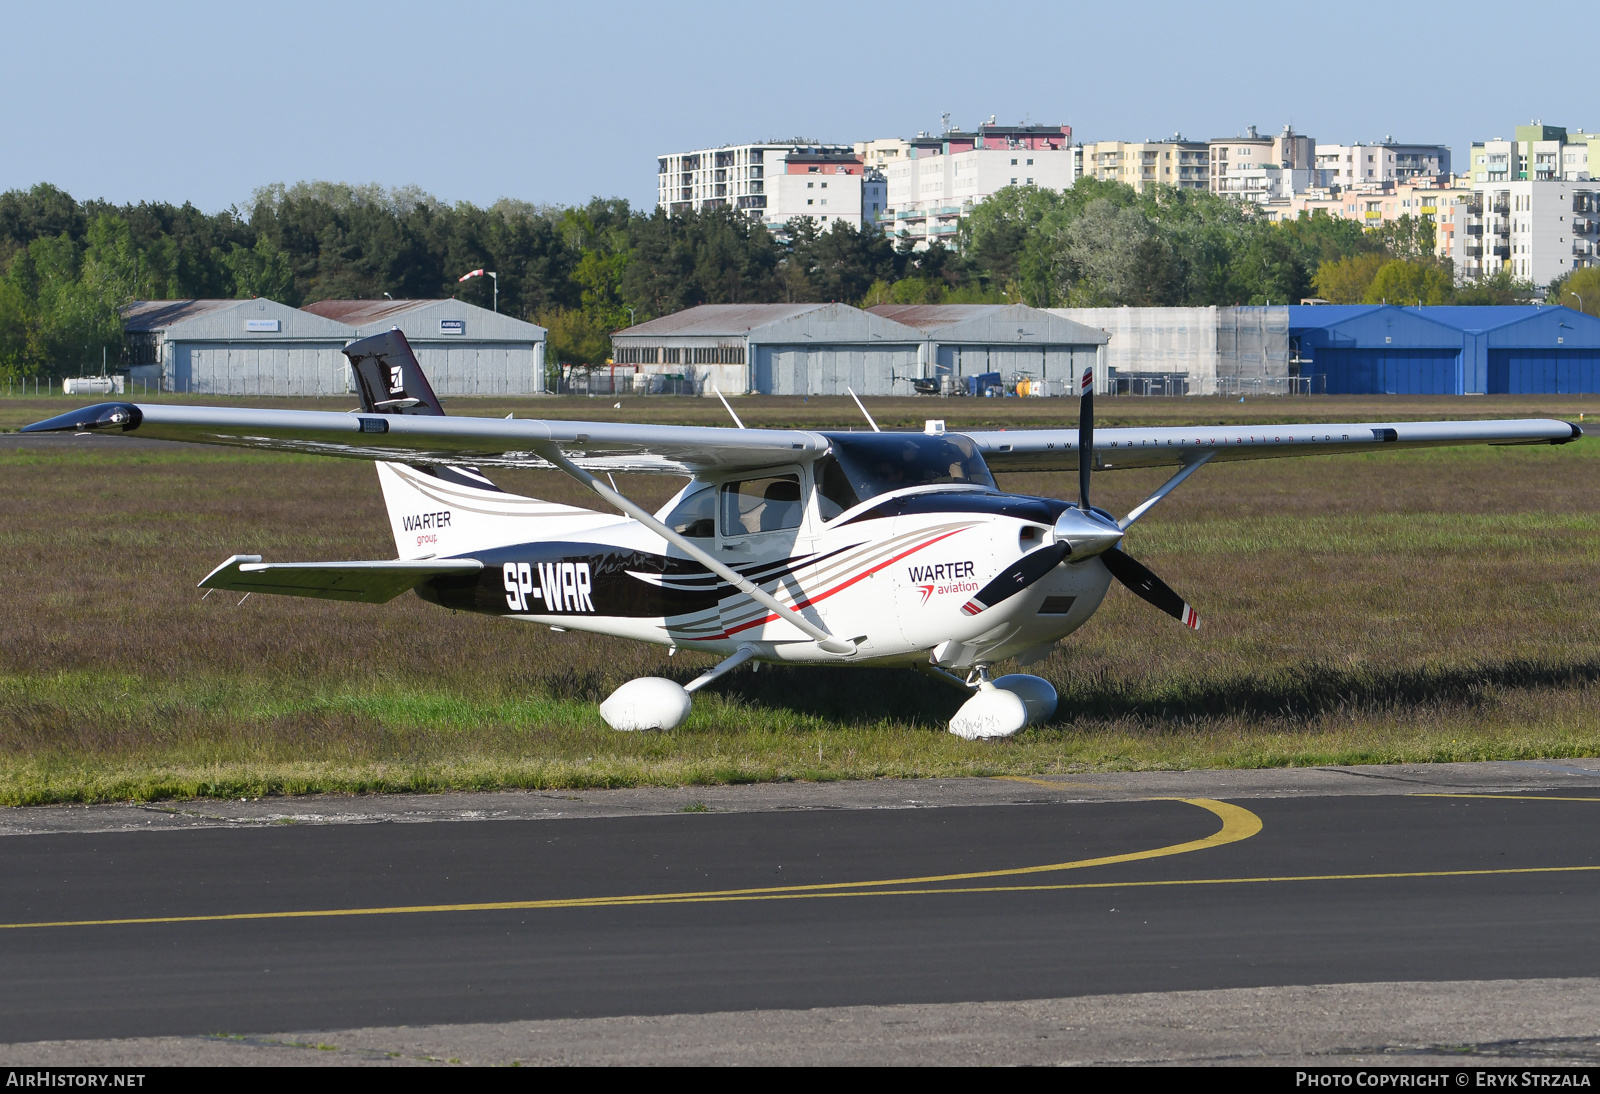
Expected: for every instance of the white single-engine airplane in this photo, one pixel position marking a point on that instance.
(786, 545)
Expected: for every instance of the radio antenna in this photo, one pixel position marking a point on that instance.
(863, 410)
(728, 408)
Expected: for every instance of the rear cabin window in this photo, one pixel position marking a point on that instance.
(876, 463)
(768, 504)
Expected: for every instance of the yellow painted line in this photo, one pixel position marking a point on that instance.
(1151, 884)
(1509, 797)
(1237, 824)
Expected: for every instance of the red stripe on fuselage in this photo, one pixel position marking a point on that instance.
(810, 600)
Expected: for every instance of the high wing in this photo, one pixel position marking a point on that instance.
(1057, 449)
(363, 582)
(481, 442)
(682, 450)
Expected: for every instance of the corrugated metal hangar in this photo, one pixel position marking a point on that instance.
(1014, 340)
(774, 349)
(1382, 349)
(261, 347)
(463, 349)
(234, 347)
(822, 349)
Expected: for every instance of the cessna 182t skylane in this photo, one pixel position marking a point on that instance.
(785, 546)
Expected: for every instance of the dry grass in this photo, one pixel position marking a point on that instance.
(1410, 606)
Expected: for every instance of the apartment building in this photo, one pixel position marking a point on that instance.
(944, 177)
(1539, 152)
(773, 183)
(1141, 164)
(1442, 200)
(882, 154)
(1251, 167)
(826, 188)
(1360, 164)
(1540, 229)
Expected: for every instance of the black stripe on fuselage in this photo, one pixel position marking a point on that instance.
(598, 583)
(1019, 506)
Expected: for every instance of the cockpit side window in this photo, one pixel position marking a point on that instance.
(834, 492)
(695, 516)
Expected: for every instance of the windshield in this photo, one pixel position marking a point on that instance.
(693, 517)
(876, 463)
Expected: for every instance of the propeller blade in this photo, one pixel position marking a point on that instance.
(1085, 434)
(1017, 577)
(1148, 587)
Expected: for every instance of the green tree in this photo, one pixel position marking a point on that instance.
(1346, 281)
(1579, 290)
(1499, 289)
(1321, 238)
(576, 336)
(1408, 237)
(261, 271)
(16, 316)
(1399, 281)
(1266, 270)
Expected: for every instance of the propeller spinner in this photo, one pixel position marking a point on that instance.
(1084, 533)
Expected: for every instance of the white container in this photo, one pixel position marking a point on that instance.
(92, 385)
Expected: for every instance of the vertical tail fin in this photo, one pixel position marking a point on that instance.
(388, 377)
(389, 380)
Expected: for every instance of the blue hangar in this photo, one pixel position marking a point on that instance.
(1381, 349)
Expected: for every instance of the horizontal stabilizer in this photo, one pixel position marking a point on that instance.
(364, 582)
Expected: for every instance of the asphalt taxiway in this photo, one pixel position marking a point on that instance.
(174, 924)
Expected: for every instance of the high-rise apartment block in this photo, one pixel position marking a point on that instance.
(1143, 164)
(941, 178)
(1539, 229)
(1254, 168)
(1359, 164)
(1538, 153)
(774, 182)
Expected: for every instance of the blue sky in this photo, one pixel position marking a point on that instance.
(555, 103)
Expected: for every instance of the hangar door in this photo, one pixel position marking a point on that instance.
(830, 369)
(478, 369)
(1056, 364)
(1544, 371)
(1390, 371)
(260, 369)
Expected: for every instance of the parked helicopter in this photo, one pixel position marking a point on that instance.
(793, 546)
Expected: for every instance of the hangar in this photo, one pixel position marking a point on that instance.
(463, 349)
(1014, 340)
(233, 347)
(1382, 349)
(774, 349)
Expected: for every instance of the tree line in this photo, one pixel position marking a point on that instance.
(584, 271)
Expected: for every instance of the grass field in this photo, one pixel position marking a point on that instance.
(1406, 606)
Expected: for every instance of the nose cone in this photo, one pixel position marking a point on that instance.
(1085, 534)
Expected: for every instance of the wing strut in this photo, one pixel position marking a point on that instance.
(1165, 488)
(826, 641)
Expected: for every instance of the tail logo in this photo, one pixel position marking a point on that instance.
(562, 586)
(396, 384)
